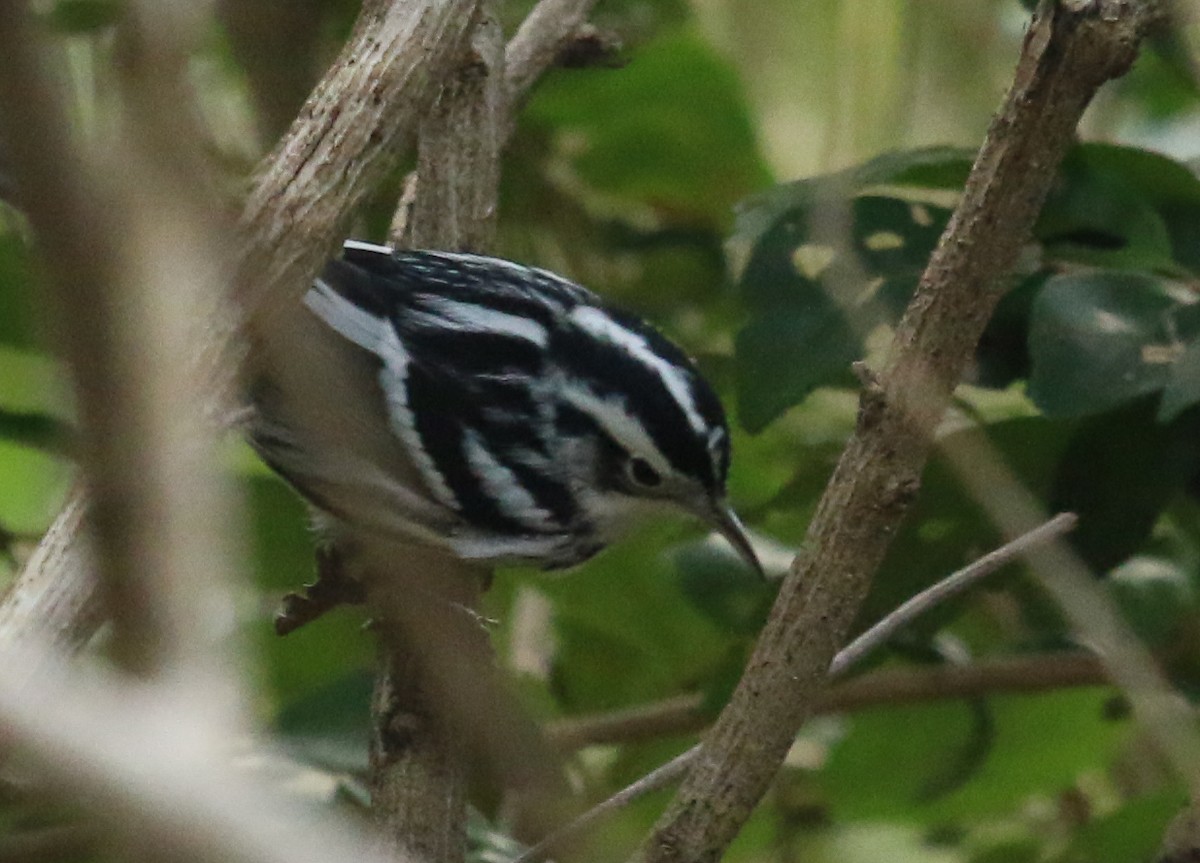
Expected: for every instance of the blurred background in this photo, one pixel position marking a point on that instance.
(690, 183)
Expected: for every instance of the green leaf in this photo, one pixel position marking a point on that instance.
(1122, 207)
(814, 298)
(1131, 834)
(1120, 470)
(1156, 596)
(784, 357)
(624, 631)
(1041, 745)
(1094, 215)
(1100, 339)
(38, 430)
(1183, 384)
(937, 168)
(646, 133)
(329, 726)
(722, 588)
(18, 303)
(1002, 355)
(84, 16)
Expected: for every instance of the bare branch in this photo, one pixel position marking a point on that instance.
(539, 40)
(1069, 51)
(352, 130)
(132, 758)
(947, 588)
(872, 639)
(684, 714)
(458, 153)
(55, 596)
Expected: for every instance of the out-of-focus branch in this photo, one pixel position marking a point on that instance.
(685, 714)
(55, 597)
(133, 258)
(115, 746)
(275, 42)
(354, 127)
(1070, 50)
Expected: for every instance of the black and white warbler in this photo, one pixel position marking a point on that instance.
(516, 418)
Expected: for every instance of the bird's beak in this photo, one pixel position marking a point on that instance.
(725, 520)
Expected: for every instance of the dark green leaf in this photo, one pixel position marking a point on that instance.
(18, 305)
(930, 168)
(1002, 355)
(782, 358)
(682, 142)
(1119, 472)
(37, 430)
(1155, 595)
(721, 586)
(329, 726)
(814, 297)
(1100, 339)
(1041, 746)
(84, 16)
(1183, 384)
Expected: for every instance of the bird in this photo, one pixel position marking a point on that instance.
(494, 410)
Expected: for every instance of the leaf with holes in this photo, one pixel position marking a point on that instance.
(818, 282)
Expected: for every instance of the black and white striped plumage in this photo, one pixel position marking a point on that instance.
(515, 418)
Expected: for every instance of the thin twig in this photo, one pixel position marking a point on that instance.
(863, 645)
(538, 41)
(1094, 617)
(897, 619)
(660, 777)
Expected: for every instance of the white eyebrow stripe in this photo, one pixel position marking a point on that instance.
(613, 417)
(503, 486)
(393, 377)
(597, 323)
(351, 322)
(477, 318)
(360, 246)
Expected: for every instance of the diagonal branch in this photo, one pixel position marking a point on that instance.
(1070, 50)
(352, 130)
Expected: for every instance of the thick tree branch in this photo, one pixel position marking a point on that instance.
(352, 130)
(420, 745)
(1070, 50)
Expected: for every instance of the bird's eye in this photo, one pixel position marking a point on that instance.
(642, 474)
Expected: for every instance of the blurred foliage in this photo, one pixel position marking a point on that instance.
(669, 185)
